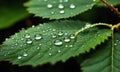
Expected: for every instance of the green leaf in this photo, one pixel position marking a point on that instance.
(106, 59)
(113, 2)
(11, 12)
(56, 9)
(51, 42)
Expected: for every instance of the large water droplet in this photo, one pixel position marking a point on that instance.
(27, 36)
(58, 42)
(62, 11)
(49, 5)
(60, 6)
(60, 33)
(72, 37)
(19, 57)
(67, 40)
(38, 37)
(72, 6)
(29, 41)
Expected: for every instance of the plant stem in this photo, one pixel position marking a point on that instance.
(111, 7)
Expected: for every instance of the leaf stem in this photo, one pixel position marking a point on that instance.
(87, 27)
(111, 7)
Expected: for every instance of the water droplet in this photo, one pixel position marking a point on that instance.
(58, 42)
(54, 30)
(67, 40)
(59, 51)
(60, 33)
(60, 1)
(62, 11)
(25, 54)
(60, 6)
(115, 44)
(27, 36)
(65, 0)
(29, 41)
(50, 54)
(19, 57)
(52, 12)
(49, 5)
(72, 6)
(66, 45)
(87, 25)
(70, 45)
(38, 47)
(72, 37)
(45, 0)
(38, 37)
(54, 36)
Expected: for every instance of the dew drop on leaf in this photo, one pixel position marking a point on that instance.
(50, 54)
(60, 34)
(67, 40)
(72, 6)
(60, 6)
(27, 36)
(25, 54)
(72, 37)
(58, 43)
(49, 6)
(59, 51)
(65, 0)
(29, 41)
(38, 37)
(19, 57)
(54, 36)
(62, 11)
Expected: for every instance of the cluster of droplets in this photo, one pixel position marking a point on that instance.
(29, 40)
(21, 56)
(65, 40)
(61, 6)
(116, 42)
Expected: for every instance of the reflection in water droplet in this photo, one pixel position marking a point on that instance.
(38, 37)
(29, 41)
(60, 6)
(49, 5)
(72, 6)
(27, 36)
(58, 43)
(62, 11)
(19, 57)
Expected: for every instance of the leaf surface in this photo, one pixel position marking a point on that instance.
(51, 42)
(57, 9)
(106, 59)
